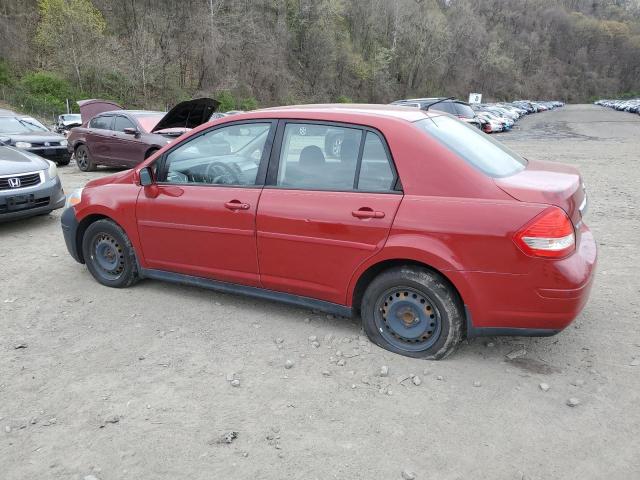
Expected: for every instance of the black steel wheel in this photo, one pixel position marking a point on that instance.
(407, 318)
(109, 255)
(413, 311)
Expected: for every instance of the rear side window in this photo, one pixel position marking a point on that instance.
(376, 174)
(318, 157)
(121, 123)
(334, 158)
(103, 123)
(447, 107)
(477, 148)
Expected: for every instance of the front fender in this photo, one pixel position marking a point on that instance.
(115, 201)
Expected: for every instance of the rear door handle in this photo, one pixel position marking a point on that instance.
(366, 212)
(237, 205)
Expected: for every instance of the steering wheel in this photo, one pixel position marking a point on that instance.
(221, 173)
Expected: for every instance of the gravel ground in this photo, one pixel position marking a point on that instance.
(141, 383)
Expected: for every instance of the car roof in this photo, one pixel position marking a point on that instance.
(344, 111)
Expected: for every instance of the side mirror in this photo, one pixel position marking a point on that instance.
(146, 178)
(130, 131)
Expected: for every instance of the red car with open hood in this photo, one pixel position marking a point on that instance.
(422, 225)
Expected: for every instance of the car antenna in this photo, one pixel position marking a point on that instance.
(439, 101)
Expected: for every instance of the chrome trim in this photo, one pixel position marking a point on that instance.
(583, 206)
(17, 175)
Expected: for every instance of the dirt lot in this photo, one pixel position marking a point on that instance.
(134, 384)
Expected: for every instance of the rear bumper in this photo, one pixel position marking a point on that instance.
(69, 224)
(541, 302)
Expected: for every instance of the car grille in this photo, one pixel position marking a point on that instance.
(38, 202)
(26, 180)
(42, 144)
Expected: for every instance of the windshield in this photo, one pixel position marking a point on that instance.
(73, 117)
(477, 148)
(149, 120)
(20, 125)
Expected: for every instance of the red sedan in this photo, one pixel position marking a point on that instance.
(422, 225)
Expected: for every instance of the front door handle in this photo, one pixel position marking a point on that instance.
(236, 205)
(366, 212)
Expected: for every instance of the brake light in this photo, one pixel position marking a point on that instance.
(549, 235)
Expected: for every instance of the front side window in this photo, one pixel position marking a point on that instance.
(121, 123)
(318, 157)
(225, 156)
(102, 123)
(475, 147)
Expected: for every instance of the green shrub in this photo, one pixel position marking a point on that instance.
(5, 74)
(46, 84)
(227, 101)
(344, 99)
(249, 103)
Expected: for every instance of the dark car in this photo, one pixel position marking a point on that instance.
(67, 121)
(29, 185)
(457, 108)
(112, 136)
(28, 134)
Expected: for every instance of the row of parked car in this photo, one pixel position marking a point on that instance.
(631, 105)
(488, 117)
(104, 133)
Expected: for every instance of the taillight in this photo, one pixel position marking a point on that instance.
(548, 235)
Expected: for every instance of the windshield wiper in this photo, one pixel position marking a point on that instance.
(26, 123)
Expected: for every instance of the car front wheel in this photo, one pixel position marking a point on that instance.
(414, 312)
(83, 159)
(109, 254)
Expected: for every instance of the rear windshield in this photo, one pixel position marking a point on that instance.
(465, 110)
(477, 148)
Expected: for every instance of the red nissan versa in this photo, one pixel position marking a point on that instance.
(423, 225)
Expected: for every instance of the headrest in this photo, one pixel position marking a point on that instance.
(311, 156)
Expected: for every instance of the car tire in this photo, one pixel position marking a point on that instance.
(64, 162)
(109, 254)
(83, 159)
(414, 312)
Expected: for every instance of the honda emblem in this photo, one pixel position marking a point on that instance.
(14, 182)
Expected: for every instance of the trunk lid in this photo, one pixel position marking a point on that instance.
(93, 107)
(551, 183)
(188, 115)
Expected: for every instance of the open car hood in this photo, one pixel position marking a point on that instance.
(93, 107)
(188, 114)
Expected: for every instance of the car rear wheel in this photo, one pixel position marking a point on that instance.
(83, 159)
(109, 255)
(414, 312)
